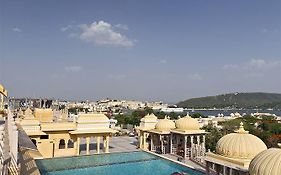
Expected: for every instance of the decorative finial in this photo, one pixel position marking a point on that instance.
(241, 129)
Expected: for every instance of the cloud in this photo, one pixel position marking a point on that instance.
(253, 75)
(257, 63)
(116, 77)
(264, 30)
(73, 68)
(16, 29)
(262, 64)
(122, 26)
(68, 27)
(195, 76)
(163, 61)
(102, 33)
(254, 69)
(254, 64)
(230, 66)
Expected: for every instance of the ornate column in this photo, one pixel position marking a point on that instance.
(203, 145)
(161, 143)
(171, 143)
(184, 151)
(198, 146)
(151, 142)
(207, 168)
(224, 169)
(141, 141)
(230, 171)
(107, 144)
(191, 144)
(144, 141)
(98, 144)
(78, 145)
(88, 145)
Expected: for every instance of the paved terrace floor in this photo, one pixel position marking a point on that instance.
(116, 144)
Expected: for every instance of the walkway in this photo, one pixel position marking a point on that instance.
(187, 162)
(116, 144)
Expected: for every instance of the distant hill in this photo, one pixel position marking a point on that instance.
(235, 100)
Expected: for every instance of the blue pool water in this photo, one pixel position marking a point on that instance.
(131, 163)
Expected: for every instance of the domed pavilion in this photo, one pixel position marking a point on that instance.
(234, 153)
(183, 137)
(147, 123)
(267, 162)
(188, 140)
(161, 135)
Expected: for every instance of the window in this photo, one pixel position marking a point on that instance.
(70, 143)
(62, 144)
(34, 142)
(44, 137)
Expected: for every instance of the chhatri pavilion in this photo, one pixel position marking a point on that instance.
(183, 137)
(234, 153)
(54, 139)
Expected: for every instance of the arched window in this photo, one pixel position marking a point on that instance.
(34, 142)
(62, 144)
(70, 143)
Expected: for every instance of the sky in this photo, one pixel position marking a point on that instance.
(143, 50)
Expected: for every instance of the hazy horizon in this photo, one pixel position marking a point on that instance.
(139, 50)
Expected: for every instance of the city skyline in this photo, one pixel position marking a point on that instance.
(147, 51)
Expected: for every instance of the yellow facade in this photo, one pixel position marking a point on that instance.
(44, 115)
(3, 94)
(56, 139)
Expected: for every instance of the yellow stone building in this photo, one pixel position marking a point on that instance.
(183, 137)
(234, 153)
(55, 139)
(3, 94)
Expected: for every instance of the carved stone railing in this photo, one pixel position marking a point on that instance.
(8, 145)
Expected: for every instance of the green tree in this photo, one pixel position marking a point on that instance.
(212, 137)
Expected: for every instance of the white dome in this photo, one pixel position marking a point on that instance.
(240, 145)
(187, 123)
(267, 162)
(165, 125)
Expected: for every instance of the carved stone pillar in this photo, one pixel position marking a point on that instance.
(98, 144)
(184, 151)
(107, 144)
(171, 143)
(88, 145)
(192, 145)
(78, 145)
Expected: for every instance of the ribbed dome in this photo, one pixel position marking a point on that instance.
(165, 125)
(267, 162)
(187, 123)
(149, 117)
(240, 145)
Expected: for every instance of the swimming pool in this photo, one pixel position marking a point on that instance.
(129, 163)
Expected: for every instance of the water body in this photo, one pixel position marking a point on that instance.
(228, 112)
(140, 163)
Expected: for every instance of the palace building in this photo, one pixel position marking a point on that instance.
(183, 137)
(55, 139)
